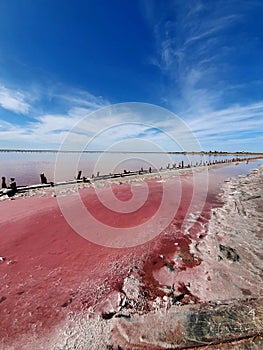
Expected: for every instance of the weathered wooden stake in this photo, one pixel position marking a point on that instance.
(3, 182)
(79, 175)
(43, 178)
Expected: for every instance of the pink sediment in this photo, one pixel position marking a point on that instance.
(123, 193)
(50, 270)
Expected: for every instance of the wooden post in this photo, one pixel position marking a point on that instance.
(3, 182)
(43, 178)
(13, 184)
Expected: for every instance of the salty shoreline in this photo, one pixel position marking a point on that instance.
(228, 285)
(73, 186)
(62, 261)
(228, 313)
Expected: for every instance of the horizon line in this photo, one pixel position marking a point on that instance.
(100, 151)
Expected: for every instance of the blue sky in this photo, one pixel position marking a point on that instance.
(61, 60)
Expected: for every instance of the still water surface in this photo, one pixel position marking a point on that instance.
(26, 167)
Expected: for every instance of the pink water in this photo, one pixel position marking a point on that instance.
(26, 167)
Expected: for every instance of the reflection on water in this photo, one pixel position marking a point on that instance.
(26, 167)
(219, 175)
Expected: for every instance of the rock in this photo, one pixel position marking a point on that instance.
(107, 315)
(113, 304)
(20, 292)
(2, 299)
(178, 298)
(131, 287)
(229, 253)
(69, 301)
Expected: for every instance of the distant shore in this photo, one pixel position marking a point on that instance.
(214, 153)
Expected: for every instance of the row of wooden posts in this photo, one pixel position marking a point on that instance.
(169, 166)
(80, 178)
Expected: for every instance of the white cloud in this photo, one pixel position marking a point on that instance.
(195, 54)
(43, 125)
(13, 100)
(80, 98)
(230, 126)
(210, 27)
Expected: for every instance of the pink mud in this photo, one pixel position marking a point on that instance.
(50, 270)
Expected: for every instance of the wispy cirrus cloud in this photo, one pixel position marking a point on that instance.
(192, 44)
(232, 126)
(13, 100)
(200, 50)
(80, 98)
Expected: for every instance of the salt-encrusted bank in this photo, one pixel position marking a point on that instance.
(232, 250)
